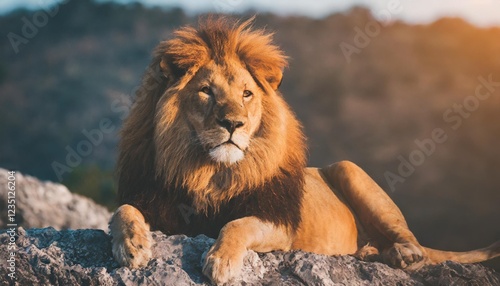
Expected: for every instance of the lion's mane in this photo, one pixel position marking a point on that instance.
(162, 169)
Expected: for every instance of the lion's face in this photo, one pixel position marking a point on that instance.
(211, 119)
(223, 106)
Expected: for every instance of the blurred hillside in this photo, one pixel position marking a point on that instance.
(397, 86)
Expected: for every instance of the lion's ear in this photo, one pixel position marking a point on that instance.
(269, 72)
(265, 60)
(170, 70)
(164, 67)
(182, 54)
(275, 79)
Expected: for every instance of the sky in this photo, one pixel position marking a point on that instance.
(483, 13)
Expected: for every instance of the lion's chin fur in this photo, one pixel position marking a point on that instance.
(226, 153)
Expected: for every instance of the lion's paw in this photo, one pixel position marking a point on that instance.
(405, 256)
(134, 251)
(367, 253)
(131, 238)
(223, 266)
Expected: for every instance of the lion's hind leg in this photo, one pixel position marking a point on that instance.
(378, 214)
(131, 238)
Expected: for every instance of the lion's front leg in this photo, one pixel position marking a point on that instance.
(131, 237)
(224, 261)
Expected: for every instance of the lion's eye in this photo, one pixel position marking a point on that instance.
(247, 94)
(206, 89)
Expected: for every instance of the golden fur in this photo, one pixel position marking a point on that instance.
(211, 134)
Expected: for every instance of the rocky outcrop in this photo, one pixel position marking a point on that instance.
(43, 204)
(83, 257)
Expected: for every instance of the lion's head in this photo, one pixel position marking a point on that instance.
(209, 117)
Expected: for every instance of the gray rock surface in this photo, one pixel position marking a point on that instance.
(43, 204)
(83, 257)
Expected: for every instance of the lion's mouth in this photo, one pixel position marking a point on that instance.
(228, 142)
(228, 152)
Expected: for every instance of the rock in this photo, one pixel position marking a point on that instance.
(43, 204)
(83, 257)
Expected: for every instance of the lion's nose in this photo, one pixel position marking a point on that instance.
(230, 125)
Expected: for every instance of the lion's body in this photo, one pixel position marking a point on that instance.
(211, 147)
(322, 208)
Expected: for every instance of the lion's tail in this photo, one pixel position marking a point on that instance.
(473, 256)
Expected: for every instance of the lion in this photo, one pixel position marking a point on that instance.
(211, 147)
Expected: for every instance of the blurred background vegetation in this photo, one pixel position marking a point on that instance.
(370, 110)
